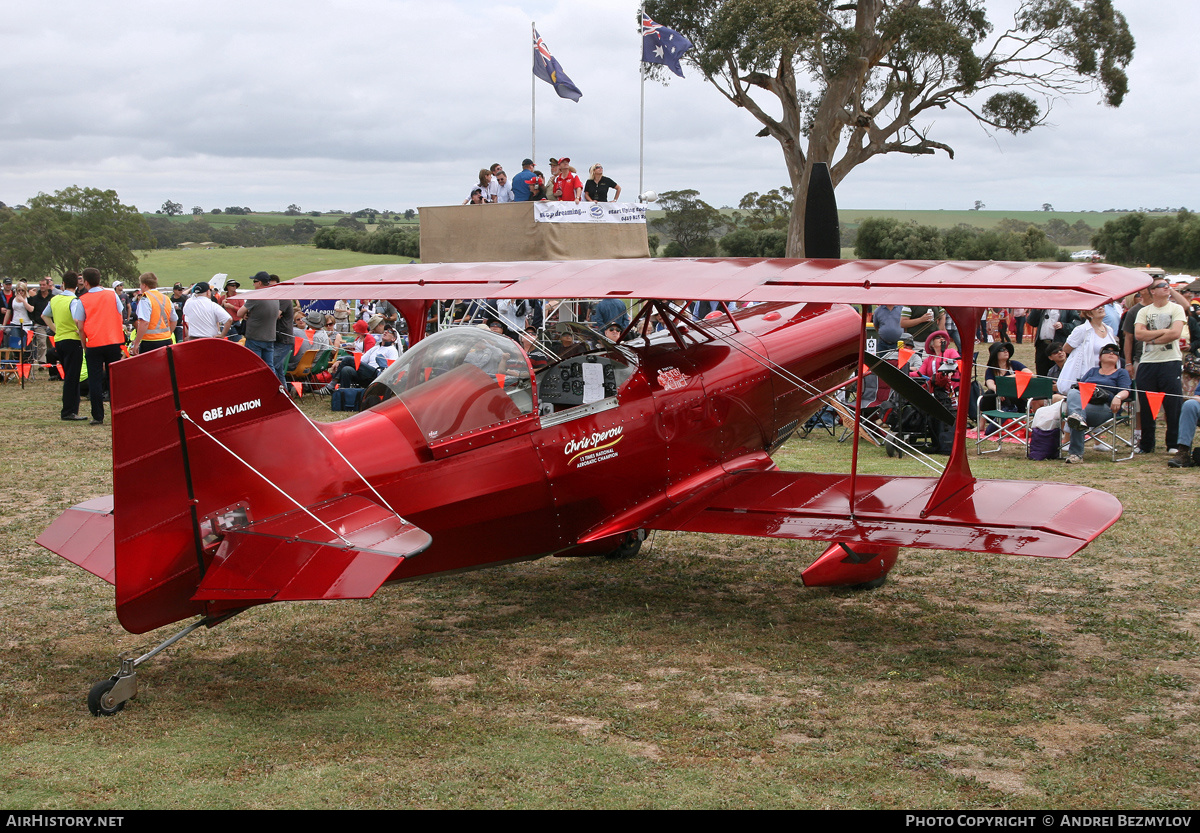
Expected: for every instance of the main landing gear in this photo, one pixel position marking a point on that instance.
(863, 567)
(109, 696)
(629, 547)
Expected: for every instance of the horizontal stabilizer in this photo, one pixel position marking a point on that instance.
(296, 557)
(84, 536)
(1012, 517)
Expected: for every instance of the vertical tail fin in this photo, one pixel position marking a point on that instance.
(198, 530)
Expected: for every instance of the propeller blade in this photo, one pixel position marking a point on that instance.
(909, 388)
(822, 236)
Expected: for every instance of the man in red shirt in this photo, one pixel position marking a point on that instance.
(567, 186)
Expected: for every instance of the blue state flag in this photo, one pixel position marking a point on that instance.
(547, 68)
(661, 45)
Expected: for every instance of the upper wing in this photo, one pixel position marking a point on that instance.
(950, 284)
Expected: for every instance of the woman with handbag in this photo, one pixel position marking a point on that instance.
(1083, 348)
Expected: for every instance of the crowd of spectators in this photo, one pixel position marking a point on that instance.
(1123, 351)
(531, 185)
(1148, 343)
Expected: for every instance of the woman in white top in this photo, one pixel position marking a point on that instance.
(18, 319)
(22, 309)
(1083, 347)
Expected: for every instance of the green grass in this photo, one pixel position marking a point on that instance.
(981, 219)
(273, 218)
(700, 674)
(190, 265)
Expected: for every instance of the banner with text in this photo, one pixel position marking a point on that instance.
(589, 212)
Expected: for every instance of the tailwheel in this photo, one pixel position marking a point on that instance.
(630, 545)
(109, 696)
(100, 700)
(874, 584)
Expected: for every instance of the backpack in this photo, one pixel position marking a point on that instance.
(1034, 319)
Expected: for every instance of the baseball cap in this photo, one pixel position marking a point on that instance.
(201, 288)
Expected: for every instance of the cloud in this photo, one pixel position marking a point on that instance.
(397, 103)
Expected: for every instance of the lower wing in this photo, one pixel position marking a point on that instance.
(1011, 517)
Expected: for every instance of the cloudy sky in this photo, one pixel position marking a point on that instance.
(393, 104)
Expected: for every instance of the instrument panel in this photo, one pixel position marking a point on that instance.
(579, 380)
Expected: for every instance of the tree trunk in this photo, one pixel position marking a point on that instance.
(798, 173)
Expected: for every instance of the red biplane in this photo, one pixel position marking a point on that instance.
(462, 437)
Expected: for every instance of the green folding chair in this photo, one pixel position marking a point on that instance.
(996, 426)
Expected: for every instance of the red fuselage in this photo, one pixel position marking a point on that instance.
(525, 488)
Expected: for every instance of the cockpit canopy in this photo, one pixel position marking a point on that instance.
(466, 379)
(457, 381)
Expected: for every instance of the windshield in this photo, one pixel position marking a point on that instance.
(459, 380)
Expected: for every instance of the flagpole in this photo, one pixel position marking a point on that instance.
(642, 125)
(533, 99)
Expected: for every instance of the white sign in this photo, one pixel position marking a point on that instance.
(589, 212)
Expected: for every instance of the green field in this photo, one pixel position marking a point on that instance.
(191, 265)
(980, 219)
(274, 218)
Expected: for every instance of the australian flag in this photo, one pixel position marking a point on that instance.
(661, 45)
(547, 68)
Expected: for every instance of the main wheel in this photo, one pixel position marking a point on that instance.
(873, 584)
(893, 450)
(100, 701)
(630, 546)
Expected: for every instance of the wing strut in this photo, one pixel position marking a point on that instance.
(957, 474)
(862, 349)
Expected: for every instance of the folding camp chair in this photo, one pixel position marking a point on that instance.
(826, 417)
(319, 364)
(876, 395)
(996, 426)
(10, 359)
(303, 367)
(1114, 436)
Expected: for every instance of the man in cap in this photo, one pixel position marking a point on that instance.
(285, 337)
(204, 317)
(372, 362)
(520, 182)
(178, 299)
(567, 186)
(260, 318)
